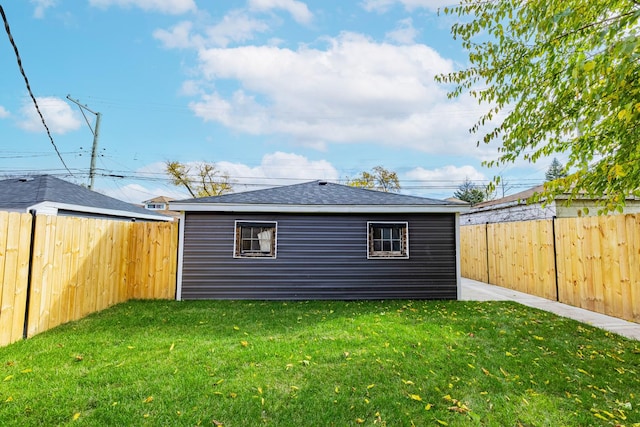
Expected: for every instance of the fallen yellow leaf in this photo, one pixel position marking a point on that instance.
(416, 397)
(76, 416)
(148, 399)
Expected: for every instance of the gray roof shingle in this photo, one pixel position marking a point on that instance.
(318, 193)
(21, 193)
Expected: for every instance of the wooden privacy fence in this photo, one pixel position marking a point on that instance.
(70, 267)
(588, 262)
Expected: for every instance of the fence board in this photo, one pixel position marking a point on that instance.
(20, 296)
(625, 280)
(15, 233)
(81, 266)
(597, 258)
(473, 252)
(633, 233)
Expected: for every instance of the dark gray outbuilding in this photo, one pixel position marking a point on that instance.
(318, 240)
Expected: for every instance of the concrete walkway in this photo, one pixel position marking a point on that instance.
(477, 291)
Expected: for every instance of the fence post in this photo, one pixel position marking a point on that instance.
(486, 245)
(25, 328)
(555, 256)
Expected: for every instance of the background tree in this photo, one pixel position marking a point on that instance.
(470, 192)
(555, 171)
(560, 76)
(200, 179)
(379, 179)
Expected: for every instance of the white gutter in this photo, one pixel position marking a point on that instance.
(52, 208)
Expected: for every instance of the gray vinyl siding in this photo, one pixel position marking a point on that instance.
(318, 257)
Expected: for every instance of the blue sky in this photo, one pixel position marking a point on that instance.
(271, 91)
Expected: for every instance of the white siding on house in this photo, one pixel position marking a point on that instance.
(521, 212)
(577, 209)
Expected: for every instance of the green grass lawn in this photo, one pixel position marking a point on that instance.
(377, 363)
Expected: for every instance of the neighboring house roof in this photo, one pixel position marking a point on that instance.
(48, 194)
(520, 197)
(516, 208)
(317, 196)
(159, 199)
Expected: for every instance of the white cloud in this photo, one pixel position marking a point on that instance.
(405, 33)
(274, 169)
(297, 9)
(235, 27)
(190, 88)
(172, 7)
(179, 36)
(136, 193)
(58, 116)
(440, 182)
(4, 113)
(382, 6)
(41, 6)
(446, 174)
(353, 91)
(278, 169)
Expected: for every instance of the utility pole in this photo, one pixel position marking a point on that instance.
(96, 132)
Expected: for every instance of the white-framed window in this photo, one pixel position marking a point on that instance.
(255, 239)
(156, 206)
(387, 240)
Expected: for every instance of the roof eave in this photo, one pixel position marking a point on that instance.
(48, 206)
(279, 208)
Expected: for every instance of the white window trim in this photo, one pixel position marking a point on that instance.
(156, 206)
(236, 252)
(406, 225)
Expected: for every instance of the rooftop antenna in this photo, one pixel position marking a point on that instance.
(95, 131)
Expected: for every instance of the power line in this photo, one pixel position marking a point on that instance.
(26, 80)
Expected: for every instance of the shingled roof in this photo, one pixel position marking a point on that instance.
(316, 196)
(23, 194)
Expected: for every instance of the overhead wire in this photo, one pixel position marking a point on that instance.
(26, 80)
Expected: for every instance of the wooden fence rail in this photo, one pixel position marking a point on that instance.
(588, 262)
(78, 266)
